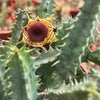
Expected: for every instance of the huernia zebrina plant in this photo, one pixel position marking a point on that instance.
(31, 71)
(38, 32)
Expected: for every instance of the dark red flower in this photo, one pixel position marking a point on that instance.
(73, 13)
(38, 32)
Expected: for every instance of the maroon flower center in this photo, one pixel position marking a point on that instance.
(38, 32)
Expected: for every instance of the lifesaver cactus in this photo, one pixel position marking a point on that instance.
(38, 32)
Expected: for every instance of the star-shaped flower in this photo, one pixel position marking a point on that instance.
(38, 32)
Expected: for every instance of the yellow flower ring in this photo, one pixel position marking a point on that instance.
(38, 32)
